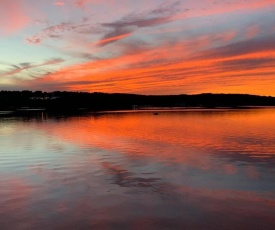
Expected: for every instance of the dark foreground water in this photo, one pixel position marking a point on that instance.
(193, 170)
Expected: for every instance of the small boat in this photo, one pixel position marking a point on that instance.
(155, 113)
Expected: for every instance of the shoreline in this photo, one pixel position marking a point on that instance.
(32, 111)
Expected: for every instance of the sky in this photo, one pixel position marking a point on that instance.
(142, 47)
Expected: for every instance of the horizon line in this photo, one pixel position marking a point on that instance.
(67, 91)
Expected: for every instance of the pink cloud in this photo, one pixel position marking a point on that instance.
(252, 31)
(81, 3)
(229, 35)
(59, 3)
(208, 7)
(13, 16)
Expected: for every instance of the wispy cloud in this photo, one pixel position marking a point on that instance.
(259, 44)
(54, 31)
(127, 25)
(59, 31)
(28, 66)
(155, 68)
(143, 46)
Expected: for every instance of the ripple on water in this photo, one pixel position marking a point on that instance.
(192, 170)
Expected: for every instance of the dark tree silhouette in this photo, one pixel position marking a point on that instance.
(76, 101)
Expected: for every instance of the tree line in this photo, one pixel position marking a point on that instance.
(72, 101)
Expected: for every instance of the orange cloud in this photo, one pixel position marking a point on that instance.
(237, 68)
(111, 39)
(156, 58)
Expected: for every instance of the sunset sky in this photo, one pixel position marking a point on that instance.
(138, 46)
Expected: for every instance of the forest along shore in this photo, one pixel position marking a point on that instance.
(30, 101)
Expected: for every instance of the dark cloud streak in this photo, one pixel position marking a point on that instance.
(27, 66)
(260, 44)
(132, 22)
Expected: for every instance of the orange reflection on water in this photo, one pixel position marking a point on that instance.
(194, 169)
(246, 132)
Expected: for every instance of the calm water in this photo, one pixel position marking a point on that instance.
(177, 170)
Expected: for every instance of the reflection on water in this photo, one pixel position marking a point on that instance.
(211, 169)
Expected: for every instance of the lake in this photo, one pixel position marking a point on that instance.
(189, 169)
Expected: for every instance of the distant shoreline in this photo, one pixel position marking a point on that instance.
(32, 112)
(67, 102)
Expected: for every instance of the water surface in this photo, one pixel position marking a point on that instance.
(192, 169)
